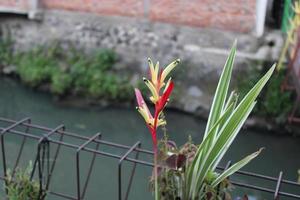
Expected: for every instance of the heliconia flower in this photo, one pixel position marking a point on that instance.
(165, 97)
(144, 111)
(167, 70)
(155, 85)
(158, 77)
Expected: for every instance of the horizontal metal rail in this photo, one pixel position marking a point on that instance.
(9, 127)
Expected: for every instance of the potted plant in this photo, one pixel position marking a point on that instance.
(189, 172)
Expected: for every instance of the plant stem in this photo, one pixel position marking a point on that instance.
(155, 175)
(155, 148)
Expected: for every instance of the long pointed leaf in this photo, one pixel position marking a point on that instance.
(194, 167)
(217, 149)
(234, 168)
(230, 129)
(249, 98)
(221, 91)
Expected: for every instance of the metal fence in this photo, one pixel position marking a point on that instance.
(43, 169)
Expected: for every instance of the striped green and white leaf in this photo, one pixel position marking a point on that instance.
(224, 123)
(234, 168)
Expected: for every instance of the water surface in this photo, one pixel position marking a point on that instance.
(125, 126)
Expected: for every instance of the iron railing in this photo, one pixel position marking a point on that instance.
(44, 170)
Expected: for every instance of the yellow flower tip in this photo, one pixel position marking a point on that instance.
(150, 63)
(161, 122)
(168, 69)
(152, 99)
(156, 68)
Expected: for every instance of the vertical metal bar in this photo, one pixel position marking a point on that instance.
(3, 147)
(132, 173)
(90, 169)
(78, 162)
(45, 141)
(21, 149)
(48, 160)
(120, 168)
(4, 162)
(78, 175)
(278, 185)
(34, 164)
(56, 153)
(40, 170)
(43, 156)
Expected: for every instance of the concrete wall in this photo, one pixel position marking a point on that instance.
(202, 51)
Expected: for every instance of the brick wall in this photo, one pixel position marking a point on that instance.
(235, 15)
(104, 7)
(24, 4)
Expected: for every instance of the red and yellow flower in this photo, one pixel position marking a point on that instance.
(159, 99)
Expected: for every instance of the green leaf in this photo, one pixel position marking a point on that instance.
(228, 132)
(194, 167)
(234, 168)
(221, 91)
(222, 144)
(247, 100)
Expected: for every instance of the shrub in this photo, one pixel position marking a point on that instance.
(60, 82)
(86, 75)
(35, 66)
(21, 187)
(103, 60)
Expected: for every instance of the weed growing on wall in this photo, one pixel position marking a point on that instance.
(72, 72)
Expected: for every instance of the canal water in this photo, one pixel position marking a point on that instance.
(125, 126)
